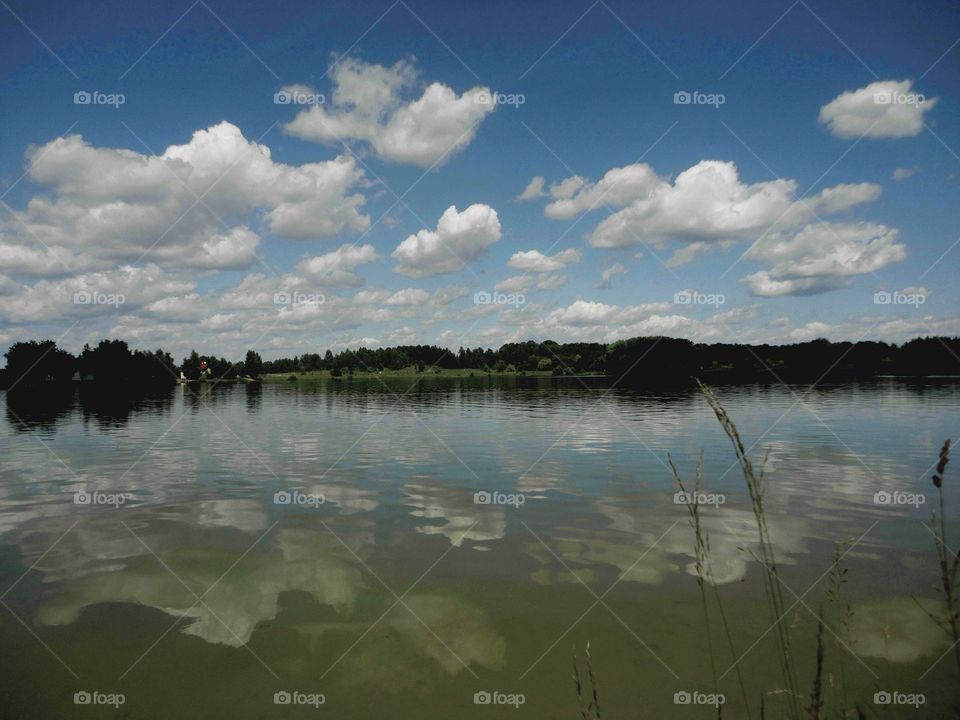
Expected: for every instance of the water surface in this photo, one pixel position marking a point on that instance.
(190, 587)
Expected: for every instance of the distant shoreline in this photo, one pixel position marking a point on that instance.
(639, 361)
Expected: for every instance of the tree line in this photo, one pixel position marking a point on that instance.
(652, 359)
(641, 360)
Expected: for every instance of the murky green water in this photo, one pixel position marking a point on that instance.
(187, 585)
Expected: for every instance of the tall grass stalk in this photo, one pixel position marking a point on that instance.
(590, 710)
(699, 552)
(832, 596)
(948, 559)
(704, 575)
(816, 694)
(772, 585)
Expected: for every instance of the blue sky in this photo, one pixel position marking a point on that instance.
(829, 173)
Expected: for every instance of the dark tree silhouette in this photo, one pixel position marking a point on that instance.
(640, 360)
(33, 362)
(651, 360)
(112, 361)
(253, 364)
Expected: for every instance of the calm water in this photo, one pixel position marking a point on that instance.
(186, 586)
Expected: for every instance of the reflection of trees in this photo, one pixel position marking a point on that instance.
(254, 397)
(207, 395)
(114, 406)
(44, 407)
(39, 407)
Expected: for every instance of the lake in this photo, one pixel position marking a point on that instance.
(361, 549)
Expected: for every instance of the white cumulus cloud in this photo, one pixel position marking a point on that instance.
(409, 296)
(460, 237)
(333, 268)
(187, 207)
(901, 174)
(370, 103)
(535, 261)
(705, 206)
(533, 190)
(882, 109)
(708, 202)
(606, 277)
(618, 187)
(823, 257)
